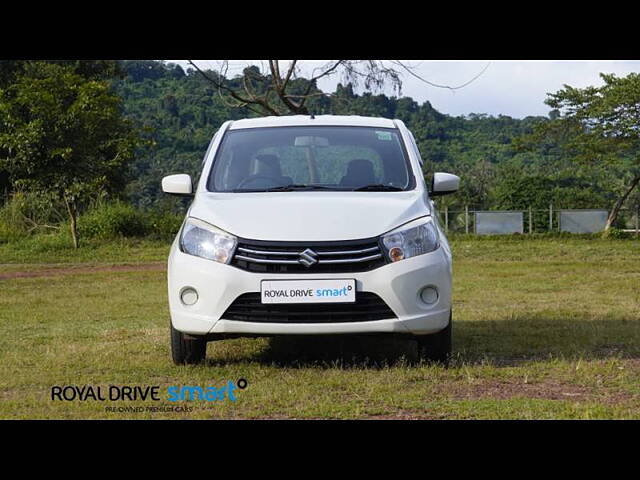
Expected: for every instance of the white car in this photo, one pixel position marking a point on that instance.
(304, 225)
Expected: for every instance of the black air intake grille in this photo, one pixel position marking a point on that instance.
(367, 307)
(306, 257)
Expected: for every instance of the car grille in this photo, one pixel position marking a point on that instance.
(306, 257)
(367, 307)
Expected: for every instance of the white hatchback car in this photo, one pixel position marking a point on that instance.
(310, 225)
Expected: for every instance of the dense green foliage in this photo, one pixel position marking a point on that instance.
(599, 126)
(34, 216)
(504, 163)
(181, 111)
(113, 220)
(107, 221)
(62, 133)
(28, 213)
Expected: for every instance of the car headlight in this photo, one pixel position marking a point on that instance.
(203, 240)
(416, 238)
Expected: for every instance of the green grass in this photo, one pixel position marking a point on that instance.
(544, 328)
(57, 248)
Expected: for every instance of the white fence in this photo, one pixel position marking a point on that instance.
(504, 222)
(583, 221)
(498, 222)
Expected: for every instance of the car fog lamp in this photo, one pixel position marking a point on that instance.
(189, 296)
(429, 295)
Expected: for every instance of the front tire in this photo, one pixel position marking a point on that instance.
(186, 350)
(436, 348)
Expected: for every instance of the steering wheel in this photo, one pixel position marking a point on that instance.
(253, 178)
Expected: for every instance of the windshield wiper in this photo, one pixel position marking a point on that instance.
(286, 188)
(378, 187)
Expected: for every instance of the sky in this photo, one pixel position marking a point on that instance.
(516, 88)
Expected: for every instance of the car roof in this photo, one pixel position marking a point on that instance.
(310, 121)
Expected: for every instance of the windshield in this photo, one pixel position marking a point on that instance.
(310, 158)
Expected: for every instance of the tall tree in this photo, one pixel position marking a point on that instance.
(64, 134)
(599, 125)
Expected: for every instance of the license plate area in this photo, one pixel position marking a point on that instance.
(308, 291)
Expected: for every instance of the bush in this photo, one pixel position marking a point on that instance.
(165, 224)
(8, 234)
(108, 221)
(616, 233)
(27, 213)
(113, 220)
(30, 213)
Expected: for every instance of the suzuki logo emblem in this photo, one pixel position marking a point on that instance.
(308, 258)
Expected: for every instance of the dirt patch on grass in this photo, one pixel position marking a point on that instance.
(546, 390)
(400, 415)
(632, 363)
(404, 415)
(79, 270)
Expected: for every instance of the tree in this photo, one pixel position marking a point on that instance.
(600, 125)
(88, 69)
(64, 134)
(273, 90)
(182, 112)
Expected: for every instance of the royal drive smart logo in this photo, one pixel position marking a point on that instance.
(174, 393)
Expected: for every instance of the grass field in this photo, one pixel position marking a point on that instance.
(543, 328)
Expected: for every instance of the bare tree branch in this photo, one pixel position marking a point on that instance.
(244, 102)
(261, 92)
(275, 74)
(292, 68)
(281, 86)
(411, 72)
(314, 79)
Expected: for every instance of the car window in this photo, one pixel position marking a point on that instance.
(334, 158)
(332, 162)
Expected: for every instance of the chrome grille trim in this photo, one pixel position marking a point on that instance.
(267, 252)
(308, 257)
(351, 252)
(353, 260)
(265, 260)
(295, 262)
(343, 252)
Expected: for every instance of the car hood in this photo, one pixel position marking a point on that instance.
(309, 216)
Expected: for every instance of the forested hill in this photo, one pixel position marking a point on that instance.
(181, 111)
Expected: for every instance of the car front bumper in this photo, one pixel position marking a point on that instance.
(398, 284)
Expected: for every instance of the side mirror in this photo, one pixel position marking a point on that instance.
(444, 183)
(178, 185)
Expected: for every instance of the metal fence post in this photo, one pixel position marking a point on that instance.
(466, 219)
(637, 219)
(530, 221)
(551, 217)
